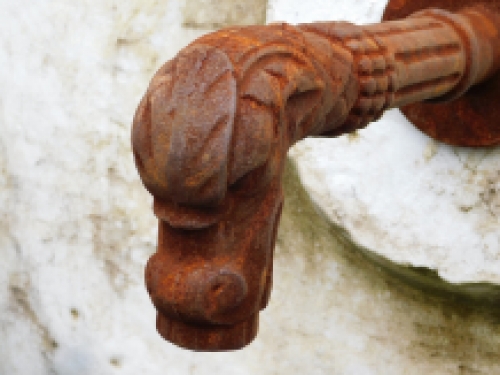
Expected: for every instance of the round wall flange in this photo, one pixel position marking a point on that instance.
(474, 118)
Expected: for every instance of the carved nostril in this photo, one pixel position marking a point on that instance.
(224, 291)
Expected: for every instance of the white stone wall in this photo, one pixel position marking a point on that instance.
(76, 226)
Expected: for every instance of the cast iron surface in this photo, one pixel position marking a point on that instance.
(211, 134)
(473, 119)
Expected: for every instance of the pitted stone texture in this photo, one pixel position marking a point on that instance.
(220, 13)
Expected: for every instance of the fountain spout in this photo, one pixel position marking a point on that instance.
(211, 134)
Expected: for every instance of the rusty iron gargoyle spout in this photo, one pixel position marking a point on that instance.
(211, 134)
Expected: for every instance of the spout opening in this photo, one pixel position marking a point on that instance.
(208, 338)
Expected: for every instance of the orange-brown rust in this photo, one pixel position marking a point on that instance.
(211, 135)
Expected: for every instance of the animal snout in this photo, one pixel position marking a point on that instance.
(199, 295)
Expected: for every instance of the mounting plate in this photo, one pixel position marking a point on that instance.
(474, 118)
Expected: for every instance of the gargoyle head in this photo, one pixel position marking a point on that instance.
(210, 138)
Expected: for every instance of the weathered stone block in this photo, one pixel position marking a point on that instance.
(217, 13)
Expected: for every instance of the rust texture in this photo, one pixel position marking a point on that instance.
(211, 134)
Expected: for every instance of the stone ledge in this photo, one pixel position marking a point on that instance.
(409, 199)
(422, 278)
